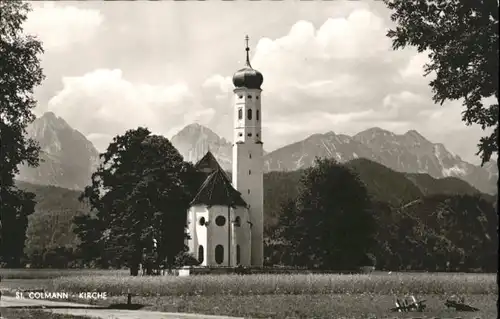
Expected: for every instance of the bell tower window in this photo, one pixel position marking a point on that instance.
(257, 115)
(240, 114)
(249, 114)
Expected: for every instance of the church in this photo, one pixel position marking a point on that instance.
(226, 217)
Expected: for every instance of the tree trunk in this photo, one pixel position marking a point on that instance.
(136, 261)
(134, 269)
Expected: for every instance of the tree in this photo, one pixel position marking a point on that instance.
(330, 225)
(438, 232)
(48, 230)
(20, 73)
(91, 232)
(462, 37)
(140, 192)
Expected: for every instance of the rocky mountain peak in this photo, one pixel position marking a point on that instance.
(197, 130)
(410, 153)
(415, 134)
(70, 158)
(194, 141)
(375, 131)
(373, 134)
(67, 157)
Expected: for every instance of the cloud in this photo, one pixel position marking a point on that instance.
(335, 68)
(102, 104)
(58, 27)
(344, 76)
(326, 67)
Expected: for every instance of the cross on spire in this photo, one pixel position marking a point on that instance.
(247, 49)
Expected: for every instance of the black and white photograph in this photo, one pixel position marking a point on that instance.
(249, 159)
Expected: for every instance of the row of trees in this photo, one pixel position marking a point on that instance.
(336, 218)
(334, 223)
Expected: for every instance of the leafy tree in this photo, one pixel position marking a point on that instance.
(140, 192)
(278, 249)
(279, 187)
(437, 233)
(49, 230)
(330, 225)
(91, 231)
(20, 73)
(184, 258)
(467, 222)
(462, 37)
(16, 206)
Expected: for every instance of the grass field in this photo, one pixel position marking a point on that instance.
(55, 273)
(34, 314)
(278, 296)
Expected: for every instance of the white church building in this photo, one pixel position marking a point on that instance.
(226, 220)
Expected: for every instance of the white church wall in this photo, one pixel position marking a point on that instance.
(249, 181)
(242, 236)
(191, 227)
(218, 235)
(200, 213)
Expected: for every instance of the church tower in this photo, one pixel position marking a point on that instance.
(248, 162)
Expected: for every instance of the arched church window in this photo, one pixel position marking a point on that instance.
(219, 254)
(249, 155)
(238, 254)
(237, 221)
(257, 115)
(249, 172)
(201, 254)
(220, 221)
(240, 114)
(202, 221)
(249, 114)
(249, 134)
(249, 96)
(257, 97)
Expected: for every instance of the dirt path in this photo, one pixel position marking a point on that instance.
(97, 312)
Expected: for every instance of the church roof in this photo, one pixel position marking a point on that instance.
(208, 163)
(217, 190)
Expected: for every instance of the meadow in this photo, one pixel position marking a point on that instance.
(35, 314)
(274, 296)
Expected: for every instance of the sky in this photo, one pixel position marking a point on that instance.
(327, 66)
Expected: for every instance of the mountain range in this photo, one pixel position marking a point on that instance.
(69, 158)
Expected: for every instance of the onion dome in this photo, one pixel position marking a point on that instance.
(248, 77)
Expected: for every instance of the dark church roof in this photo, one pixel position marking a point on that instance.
(216, 188)
(207, 164)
